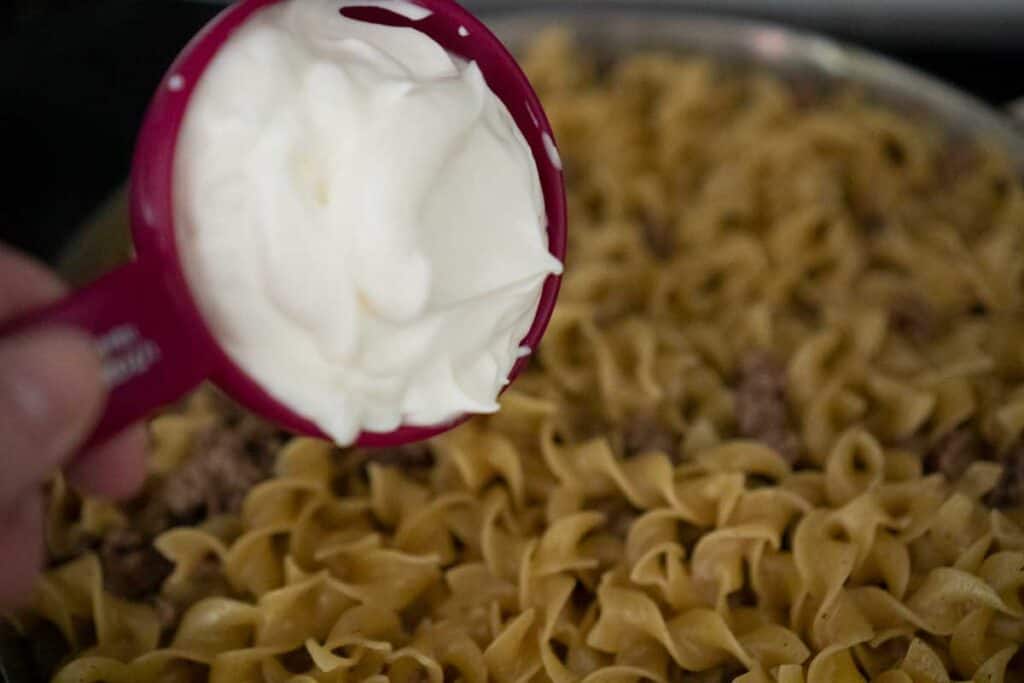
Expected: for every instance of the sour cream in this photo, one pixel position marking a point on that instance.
(360, 220)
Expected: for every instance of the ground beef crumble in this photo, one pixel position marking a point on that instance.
(659, 238)
(643, 434)
(912, 316)
(132, 567)
(1009, 490)
(958, 158)
(215, 480)
(297, 661)
(226, 461)
(955, 452)
(762, 411)
(416, 455)
(619, 515)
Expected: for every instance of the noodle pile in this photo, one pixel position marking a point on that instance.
(773, 434)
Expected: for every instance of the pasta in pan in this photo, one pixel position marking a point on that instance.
(774, 433)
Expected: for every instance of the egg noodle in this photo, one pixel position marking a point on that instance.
(773, 434)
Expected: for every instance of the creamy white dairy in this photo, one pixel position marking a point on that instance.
(360, 220)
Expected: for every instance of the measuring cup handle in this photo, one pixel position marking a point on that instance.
(151, 356)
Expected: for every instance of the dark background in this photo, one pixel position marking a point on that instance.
(75, 77)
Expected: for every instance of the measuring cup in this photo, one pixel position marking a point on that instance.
(154, 342)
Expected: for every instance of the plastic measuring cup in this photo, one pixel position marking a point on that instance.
(155, 345)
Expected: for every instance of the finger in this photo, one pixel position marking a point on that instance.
(25, 284)
(51, 392)
(114, 470)
(21, 547)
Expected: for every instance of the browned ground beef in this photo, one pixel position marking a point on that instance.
(955, 452)
(215, 480)
(1009, 491)
(659, 236)
(643, 434)
(762, 411)
(132, 567)
(226, 461)
(413, 456)
(619, 515)
(913, 317)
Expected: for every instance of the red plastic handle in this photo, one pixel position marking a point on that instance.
(150, 358)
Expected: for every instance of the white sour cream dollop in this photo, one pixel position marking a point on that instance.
(360, 220)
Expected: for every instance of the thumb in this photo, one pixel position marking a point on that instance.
(51, 392)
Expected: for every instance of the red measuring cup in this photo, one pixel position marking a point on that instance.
(155, 345)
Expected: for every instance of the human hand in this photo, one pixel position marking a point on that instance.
(51, 395)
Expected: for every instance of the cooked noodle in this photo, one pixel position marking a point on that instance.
(774, 433)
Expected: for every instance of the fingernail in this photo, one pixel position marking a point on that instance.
(51, 391)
